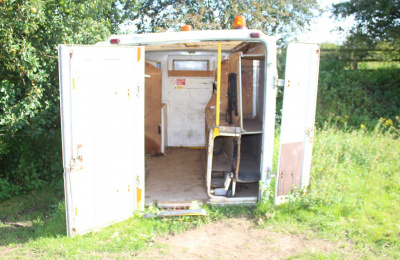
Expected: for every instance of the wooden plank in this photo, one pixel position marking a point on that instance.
(190, 73)
(152, 109)
(210, 45)
(224, 88)
(259, 48)
(233, 67)
(247, 87)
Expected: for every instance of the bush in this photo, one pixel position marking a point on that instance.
(351, 98)
(30, 145)
(357, 97)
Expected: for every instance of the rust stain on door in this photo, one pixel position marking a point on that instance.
(291, 160)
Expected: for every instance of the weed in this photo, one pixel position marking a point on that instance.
(353, 196)
(354, 190)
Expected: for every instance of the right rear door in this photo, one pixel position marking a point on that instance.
(298, 118)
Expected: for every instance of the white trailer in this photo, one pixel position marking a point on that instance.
(145, 120)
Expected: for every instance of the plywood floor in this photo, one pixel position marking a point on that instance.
(178, 176)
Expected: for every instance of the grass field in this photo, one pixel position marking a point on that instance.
(354, 196)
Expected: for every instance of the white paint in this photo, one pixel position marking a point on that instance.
(269, 95)
(268, 111)
(299, 102)
(186, 111)
(102, 103)
(164, 128)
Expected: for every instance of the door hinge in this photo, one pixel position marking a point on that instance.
(76, 164)
(278, 82)
(310, 132)
(270, 174)
(137, 90)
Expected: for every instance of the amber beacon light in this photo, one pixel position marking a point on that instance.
(186, 28)
(240, 22)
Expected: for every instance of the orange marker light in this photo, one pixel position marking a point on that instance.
(240, 22)
(186, 28)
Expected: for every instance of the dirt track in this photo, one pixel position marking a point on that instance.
(240, 238)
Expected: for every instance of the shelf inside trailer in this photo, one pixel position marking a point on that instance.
(224, 127)
(249, 170)
(252, 126)
(253, 56)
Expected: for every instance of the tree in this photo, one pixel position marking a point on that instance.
(280, 18)
(30, 31)
(376, 21)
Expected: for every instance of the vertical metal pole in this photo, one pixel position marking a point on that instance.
(218, 86)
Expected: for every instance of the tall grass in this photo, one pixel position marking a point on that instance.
(354, 191)
(354, 196)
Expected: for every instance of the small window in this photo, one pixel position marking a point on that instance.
(191, 65)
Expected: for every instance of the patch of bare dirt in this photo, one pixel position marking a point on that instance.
(239, 238)
(5, 251)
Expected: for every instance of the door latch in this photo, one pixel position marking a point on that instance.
(76, 164)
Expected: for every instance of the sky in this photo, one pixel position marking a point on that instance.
(322, 29)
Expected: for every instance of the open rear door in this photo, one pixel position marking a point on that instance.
(298, 118)
(102, 116)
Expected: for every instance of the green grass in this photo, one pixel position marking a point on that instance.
(354, 192)
(354, 197)
(43, 233)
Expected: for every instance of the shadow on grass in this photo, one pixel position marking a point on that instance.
(32, 216)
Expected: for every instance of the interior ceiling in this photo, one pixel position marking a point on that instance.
(204, 46)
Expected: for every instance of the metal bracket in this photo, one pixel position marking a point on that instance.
(310, 132)
(278, 82)
(76, 164)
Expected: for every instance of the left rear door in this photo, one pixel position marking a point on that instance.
(102, 116)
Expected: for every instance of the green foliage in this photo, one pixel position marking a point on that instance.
(376, 20)
(353, 196)
(278, 18)
(30, 31)
(351, 98)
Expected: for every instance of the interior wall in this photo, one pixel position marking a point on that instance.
(247, 88)
(260, 84)
(233, 67)
(186, 98)
(224, 86)
(261, 90)
(251, 144)
(152, 109)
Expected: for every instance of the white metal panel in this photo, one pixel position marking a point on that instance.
(186, 102)
(268, 111)
(102, 111)
(164, 127)
(299, 104)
